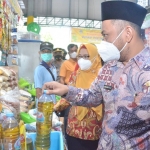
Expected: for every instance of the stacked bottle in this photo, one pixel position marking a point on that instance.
(44, 122)
(10, 133)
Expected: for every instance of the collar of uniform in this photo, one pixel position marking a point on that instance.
(46, 65)
(115, 63)
(142, 58)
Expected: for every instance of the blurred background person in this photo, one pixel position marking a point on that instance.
(64, 54)
(45, 71)
(58, 54)
(68, 66)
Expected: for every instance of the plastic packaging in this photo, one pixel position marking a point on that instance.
(11, 133)
(22, 136)
(10, 102)
(31, 127)
(55, 121)
(33, 113)
(44, 122)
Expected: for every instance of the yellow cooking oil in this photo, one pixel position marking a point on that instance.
(44, 125)
(10, 133)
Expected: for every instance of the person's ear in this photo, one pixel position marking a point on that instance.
(129, 34)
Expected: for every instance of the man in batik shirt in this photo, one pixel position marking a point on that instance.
(123, 84)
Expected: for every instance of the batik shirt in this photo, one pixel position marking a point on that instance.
(125, 92)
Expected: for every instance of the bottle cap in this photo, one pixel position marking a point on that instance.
(45, 91)
(10, 114)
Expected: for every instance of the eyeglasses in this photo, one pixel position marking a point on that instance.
(84, 57)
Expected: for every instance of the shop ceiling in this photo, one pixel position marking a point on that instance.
(80, 13)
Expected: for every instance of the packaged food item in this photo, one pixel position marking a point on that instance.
(25, 101)
(23, 109)
(31, 127)
(33, 113)
(44, 122)
(25, 93)
(3, 78)
(22, 136)
(55, 121)
(14, 39)
(6, 72)
(11, 103)
(11, 133)
(1, 72)
(2, 92)
(8, 89)
(15, 60)
(15, 50)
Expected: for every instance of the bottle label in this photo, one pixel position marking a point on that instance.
(17, 145)
(40, 117)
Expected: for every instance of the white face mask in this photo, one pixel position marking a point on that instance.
(73, 55)
(85, 64)
(108, 51)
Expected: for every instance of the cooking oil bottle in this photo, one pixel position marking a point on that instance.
(10, 133)
(44, 122)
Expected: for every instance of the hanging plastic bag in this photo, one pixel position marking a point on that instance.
(56, 124)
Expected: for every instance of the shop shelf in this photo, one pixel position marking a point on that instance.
(28, 36)
(56, 140)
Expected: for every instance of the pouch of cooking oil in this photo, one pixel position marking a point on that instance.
(22, 136)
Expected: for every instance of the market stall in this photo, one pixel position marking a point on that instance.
(18, 116)
(33, 128)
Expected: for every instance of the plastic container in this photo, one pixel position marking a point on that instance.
(11, 133)
(28, 36)
(44, 122)
(55, 137)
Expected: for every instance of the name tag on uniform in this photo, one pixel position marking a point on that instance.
(107, 87)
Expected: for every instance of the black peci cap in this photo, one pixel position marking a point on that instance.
(46, 45)
(123, 10)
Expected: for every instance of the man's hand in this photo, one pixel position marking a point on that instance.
(55, 88)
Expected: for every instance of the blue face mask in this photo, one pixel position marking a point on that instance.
(47, 57)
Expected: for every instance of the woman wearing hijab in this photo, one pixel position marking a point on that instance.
(84, 124)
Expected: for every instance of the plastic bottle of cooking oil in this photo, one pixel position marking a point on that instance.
(10, 133)
(44, 122)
